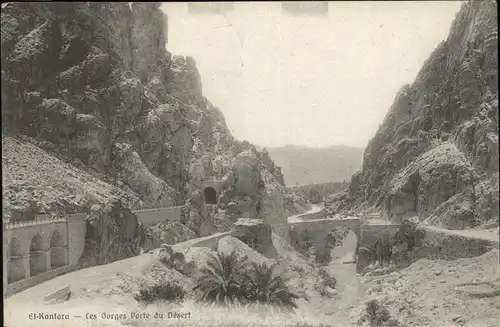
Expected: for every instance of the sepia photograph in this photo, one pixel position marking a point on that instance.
(250, 164)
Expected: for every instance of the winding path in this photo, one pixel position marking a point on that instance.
(296, 218)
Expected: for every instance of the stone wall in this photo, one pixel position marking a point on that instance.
(43, 277)
(441, 244)
(370, 234)
(207, 241)
(150, 217)
(313, 215)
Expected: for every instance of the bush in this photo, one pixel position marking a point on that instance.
(378, 315)
(169, 292)
(263, 286)
(409, 235)
(223, 280)
(229, 279)
(330, 281)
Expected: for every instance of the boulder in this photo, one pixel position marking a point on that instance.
(169, 232)
(58, 296)
(228, 244)
(254, 232)
(246, 173)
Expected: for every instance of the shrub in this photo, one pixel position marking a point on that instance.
(378, 315)
(223, 280)
(330, 281)
(169, 292)
(409, 235)
(264, 286)
(229, 279)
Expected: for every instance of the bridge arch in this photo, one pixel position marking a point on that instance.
(15, 266)
(316, 233)
(210, 195)
(57, 250)
(37, 256)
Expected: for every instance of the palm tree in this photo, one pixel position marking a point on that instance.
(264, 286)
(223, 280)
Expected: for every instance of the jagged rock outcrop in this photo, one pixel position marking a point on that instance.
(250, 189)
(169, 232)
(94, 85)
(255, 233)
(113, 233)
(296, 203)
(436, 152)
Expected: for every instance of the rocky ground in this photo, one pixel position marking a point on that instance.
(454, 293)
(36, 182)
(110, 288)
(462, 292)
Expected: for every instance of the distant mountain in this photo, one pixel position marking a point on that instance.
(304, 165)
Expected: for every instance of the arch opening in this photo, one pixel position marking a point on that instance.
(38, 262)
(210, 195)
(15, 267)
(57, 250)
(327, 244)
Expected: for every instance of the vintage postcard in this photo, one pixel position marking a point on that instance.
(250, 164)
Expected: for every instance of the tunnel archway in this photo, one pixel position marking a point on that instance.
(15, 267)
(210, 195)
(57, 250)
(37, 256)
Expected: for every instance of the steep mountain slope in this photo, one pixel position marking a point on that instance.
(93, 85)
(436, 152)
(303, 165)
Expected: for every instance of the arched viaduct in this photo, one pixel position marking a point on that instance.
(35, 250)
(38, 250)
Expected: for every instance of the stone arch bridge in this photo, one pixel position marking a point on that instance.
(317, 230)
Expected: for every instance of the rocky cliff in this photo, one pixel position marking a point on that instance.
(435, 154)
(94, 85)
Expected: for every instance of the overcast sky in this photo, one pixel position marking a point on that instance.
(304, 80)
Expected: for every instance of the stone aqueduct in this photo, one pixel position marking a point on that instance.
(41, 249)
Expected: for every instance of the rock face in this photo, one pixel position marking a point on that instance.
(436, 152)
(253, 190)
(255, 233)
(296, 203)
(94, 85)
(170, 232)
(113, 233)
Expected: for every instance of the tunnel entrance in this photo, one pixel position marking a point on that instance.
(210, 195)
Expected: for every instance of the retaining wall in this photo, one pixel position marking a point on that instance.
(370, 234)
(151, 217)
(449, 245)
(314, 215)
(32, 281)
